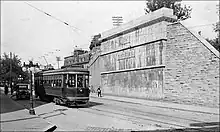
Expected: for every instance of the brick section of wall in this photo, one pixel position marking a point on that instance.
(95, 67)
(192, 70)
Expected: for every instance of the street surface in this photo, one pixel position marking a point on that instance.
(108, 115)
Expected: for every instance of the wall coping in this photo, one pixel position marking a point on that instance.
(130, 47)
(134, 69)
(94, 58)
(201, 39)
(163, 12)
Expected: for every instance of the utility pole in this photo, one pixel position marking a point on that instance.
(45, 60)
(58, 59)
(10, 72)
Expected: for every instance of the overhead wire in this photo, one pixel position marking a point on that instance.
(67, 24)
(71, 26)
(53, 17)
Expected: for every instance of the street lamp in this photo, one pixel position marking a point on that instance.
(31, 68)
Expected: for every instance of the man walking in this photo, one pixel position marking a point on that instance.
(99, 92)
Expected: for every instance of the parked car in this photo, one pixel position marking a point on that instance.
(22, 91)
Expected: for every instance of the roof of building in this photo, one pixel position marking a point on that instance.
(163, 12)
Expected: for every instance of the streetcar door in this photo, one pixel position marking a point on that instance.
(64, 85)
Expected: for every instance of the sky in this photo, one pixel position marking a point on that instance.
(31, 34)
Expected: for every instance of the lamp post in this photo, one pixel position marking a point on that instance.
(31, 69)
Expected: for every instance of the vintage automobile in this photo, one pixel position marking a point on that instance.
(22, 91)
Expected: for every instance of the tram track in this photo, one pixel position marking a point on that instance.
(134, 119)
(163, 107)
(142, 117)
(158, 112)
(147, 113)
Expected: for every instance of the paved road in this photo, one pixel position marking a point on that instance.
(107, 115)
(163, 118)
(8, 105)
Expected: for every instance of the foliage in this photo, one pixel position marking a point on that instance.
(16, 68)
(95, 42)
(217, 26)
(182, 13)
(215, 43)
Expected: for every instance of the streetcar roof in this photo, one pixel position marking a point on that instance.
(68, 70)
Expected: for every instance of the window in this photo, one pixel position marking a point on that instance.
(79, 80)
(86, 80)
(72, 80)
(59, 82)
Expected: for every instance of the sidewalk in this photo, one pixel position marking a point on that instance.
(21, 120)
(161, 104)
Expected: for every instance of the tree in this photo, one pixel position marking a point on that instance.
(216, 27)
(182, 13)
(16, 68)
(214, 42)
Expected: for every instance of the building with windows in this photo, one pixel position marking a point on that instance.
(79, 57)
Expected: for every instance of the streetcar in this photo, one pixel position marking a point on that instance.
(68, 86)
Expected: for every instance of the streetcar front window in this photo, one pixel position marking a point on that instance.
(86, 80)
(79, 80)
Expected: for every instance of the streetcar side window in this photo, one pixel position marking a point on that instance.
(60, 82)
(72, 80)
(79, 80)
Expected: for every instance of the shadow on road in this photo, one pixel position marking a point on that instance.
(204, 124)
(20, 119)
(8, 105)
(91, 104)
(202, 127)
(26, 102)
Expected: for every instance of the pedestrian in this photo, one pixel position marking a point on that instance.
(92, 89)
(99, 92)
(12, 88)
(6, 89)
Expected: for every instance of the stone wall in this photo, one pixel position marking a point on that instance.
(192, 68)
(146, 83)
(95, 66)
(133, 56)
